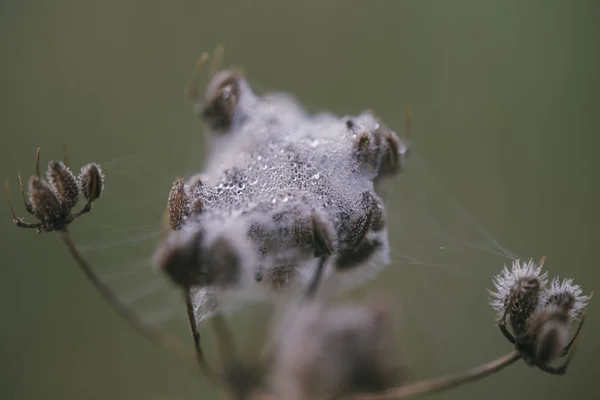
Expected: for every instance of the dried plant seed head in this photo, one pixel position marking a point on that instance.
(178, 206)
(334, 352)
(517, 293)
(91, 181)
(63, 181)
(221, 99)
(566, 295)
(46, 205)
(189, 261)
(179, 256)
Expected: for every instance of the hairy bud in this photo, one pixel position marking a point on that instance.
(188, 261)
(178, 205)
(63, 181)
(517, 293)
(566, 295)
(45, 203)
(91, 181)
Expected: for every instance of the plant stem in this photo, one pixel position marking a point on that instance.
(429, 386)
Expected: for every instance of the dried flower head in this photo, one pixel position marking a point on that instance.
(517, 292)
(565, 294)
(541, 317)
(51, 202)
(91, 181)
(333, 352)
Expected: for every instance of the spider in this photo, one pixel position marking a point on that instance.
(51, 201)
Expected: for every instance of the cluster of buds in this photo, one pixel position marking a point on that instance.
(539, 314)
(52, 200)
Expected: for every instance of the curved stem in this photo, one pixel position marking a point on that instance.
(434, 385)
(160, 338)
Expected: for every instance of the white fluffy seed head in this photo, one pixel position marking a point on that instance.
(565, 294)
(509, 284)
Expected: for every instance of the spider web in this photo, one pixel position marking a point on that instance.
(435, 244)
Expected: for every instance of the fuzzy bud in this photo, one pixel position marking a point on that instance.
(566, 295)
(546, 336)
(91, 181)
(188, 261)
(517, 293)
(178, 205)
(45, 203)
(63, 181)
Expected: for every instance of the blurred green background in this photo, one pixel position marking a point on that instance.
(505, 98)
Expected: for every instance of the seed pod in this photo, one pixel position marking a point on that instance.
(45, 203)
(524, 299)
(222, 98)
(566, 295)
(517, 293)
(179, 256)
(178, 205)
(186, 259)
(91, 181)
(547, 335)
(63, 181)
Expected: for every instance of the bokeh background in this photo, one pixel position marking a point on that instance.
(505, 98)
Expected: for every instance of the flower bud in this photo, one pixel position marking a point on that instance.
(178, 205)
(566, 295)
(63, 181)
(91, 181)
(43, 199)
(517, 293)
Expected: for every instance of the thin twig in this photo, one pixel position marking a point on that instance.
(191, 88)
(160, 338)
(216, 60)
(37, 162)
(314, 283)
(195, 334)
(429, 386)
